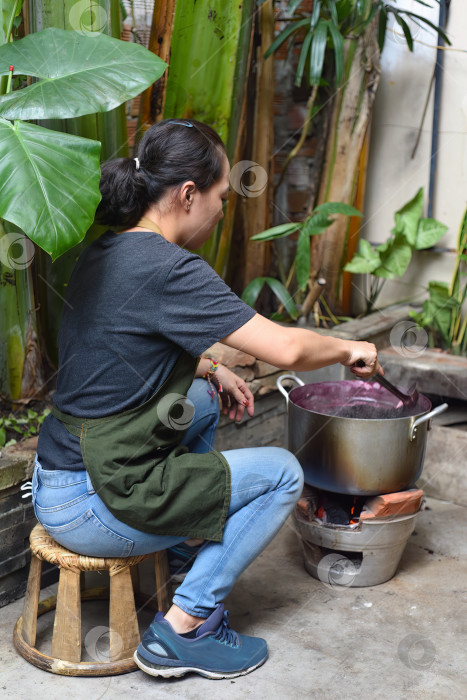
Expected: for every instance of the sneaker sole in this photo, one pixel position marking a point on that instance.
(178, 671)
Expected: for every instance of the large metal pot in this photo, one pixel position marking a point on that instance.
(356, 455)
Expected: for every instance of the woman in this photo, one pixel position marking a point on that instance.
(125, 465)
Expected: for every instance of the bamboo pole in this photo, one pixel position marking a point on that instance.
(355, 222)
(258, 208)
(236, 135)
(352, 112)
(153, 99)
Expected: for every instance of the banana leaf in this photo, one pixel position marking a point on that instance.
(203, 81)
(202, 66)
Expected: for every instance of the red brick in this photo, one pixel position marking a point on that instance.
(400, 503)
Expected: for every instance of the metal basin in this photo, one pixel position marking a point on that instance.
(351, 436)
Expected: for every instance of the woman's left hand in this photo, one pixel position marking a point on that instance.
(235, 394)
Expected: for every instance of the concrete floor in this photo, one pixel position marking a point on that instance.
(402, 639)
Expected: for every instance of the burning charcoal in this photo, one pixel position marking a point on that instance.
(336, 513)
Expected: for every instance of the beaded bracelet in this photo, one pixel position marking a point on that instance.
(210, 373)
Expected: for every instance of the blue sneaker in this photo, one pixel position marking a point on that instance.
(215, 651)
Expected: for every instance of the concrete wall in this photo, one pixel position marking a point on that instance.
(393, 175)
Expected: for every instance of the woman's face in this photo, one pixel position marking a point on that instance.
(206, 210)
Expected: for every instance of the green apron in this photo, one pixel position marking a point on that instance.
(142, 473)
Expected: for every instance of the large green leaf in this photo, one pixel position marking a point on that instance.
(315, 14)
(279, 40)
(252, 291)
(365, 261)
(424, 20)
(405, 28)
(382, 24)
(78, 74)
(49, 184)
(276, 232)
(9, 9)
(318, 49)
(407, 218)
(429, 232)
(338, 208)
(438, 308)
(302, 59)
(310, 230)
(395, 258)
(283, 295)
(338, 41)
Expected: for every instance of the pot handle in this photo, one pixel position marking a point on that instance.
(284, 391)
(428, 416)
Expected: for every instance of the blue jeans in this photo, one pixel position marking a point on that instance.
(266, 484)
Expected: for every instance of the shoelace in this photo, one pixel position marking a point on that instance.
(27, 488)
(224, 634)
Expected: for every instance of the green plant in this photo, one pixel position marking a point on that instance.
(26, 425)
(314, 225)
(443, 314)
(391, 259)
(77, 74)
(341, 41)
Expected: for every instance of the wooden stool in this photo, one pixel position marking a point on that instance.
(66, 641)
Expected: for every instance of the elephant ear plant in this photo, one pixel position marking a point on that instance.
(391, 259)
(50, 180)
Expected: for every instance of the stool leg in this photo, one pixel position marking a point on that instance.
(163, 585)
(123, 622)
(134, 571)
(31, 601)
(66, 641)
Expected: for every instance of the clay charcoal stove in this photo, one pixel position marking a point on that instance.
(355, 541)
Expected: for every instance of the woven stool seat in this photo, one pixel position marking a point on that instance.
(66, 641)
(44, 547)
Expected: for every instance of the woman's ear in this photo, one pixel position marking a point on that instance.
(186, 193)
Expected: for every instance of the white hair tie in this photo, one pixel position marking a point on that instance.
(137, 163)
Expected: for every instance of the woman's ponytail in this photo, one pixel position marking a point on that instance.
(124, 193)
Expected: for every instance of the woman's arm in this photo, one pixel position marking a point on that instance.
(300, 349)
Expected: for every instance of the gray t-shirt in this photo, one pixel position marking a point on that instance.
(134, 301)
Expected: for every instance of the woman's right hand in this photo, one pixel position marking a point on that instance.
(363, 359)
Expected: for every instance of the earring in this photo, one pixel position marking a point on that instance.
(188, 207)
